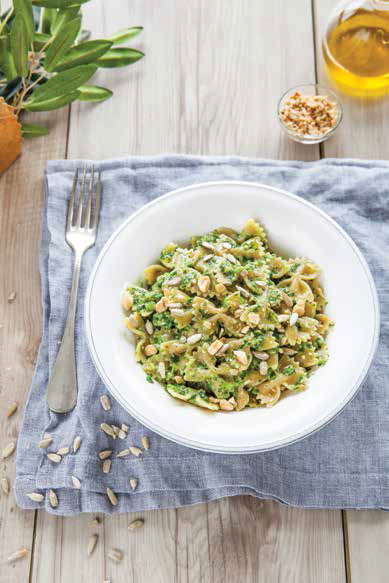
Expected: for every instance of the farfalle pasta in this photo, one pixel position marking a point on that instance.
(224, 323)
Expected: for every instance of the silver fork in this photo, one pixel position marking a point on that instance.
(81, 229)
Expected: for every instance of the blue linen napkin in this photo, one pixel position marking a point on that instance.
(345, 465)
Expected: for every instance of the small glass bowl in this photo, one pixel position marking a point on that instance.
(311, 89)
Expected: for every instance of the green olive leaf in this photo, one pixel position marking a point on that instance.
(40, 39)
(32, 130)
(61, 43)
(51, 102)
(119, 57)
(83, 53)
(123, 36)
(62, 83)
(7, 64)
(48, 17)
(63, 16)
(93, 93)
(23, 8)
(58, 3)
(19, 45)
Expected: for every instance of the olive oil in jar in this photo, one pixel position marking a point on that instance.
(356, 48)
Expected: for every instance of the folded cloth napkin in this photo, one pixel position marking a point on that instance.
(345, 465)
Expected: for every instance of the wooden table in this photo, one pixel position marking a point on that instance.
(209, 85)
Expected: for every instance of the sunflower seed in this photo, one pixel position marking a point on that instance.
(263, 368)
(207, 257)
(45, 442)
(136, 524)
(194, 338)
(105, 453)
(108, 430)
(122, 434)
(123, 453)
(174, 281)
(260, 283)
(8, 450)
(124, 427)
(293, 319)
(245, 329)
(54, 457)
(106, 466)
(20, 554)
(287, 299)
(5, 485)
(224, 348)
(215, 347)
(76, 482)
(150, 349)
(226, 245)
(116, 429)
(145, 442)
(203, 283)
(174, 305)
(92, 542)
(221, 332)
(231, 258)
(176, 312)
(63, 450)
(261, 355)
(112, 497)
(283, 318)
(115, 555)
(133, 483)
(53, 499)
(11, 297)
(208, 245)
(105, 402)
(161, 369)
(12, 409)
(241, 356)
(149, 327)
(288, 351)
(253, 318)
(244, 292)
(76, 443)
(35, 496)
(135, 450)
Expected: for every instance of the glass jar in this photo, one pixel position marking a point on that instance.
(356, 47)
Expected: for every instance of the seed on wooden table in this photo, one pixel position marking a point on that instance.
(136, 524)
(149, 327)
(76, 443)
(105, 453)
(76, 482)
(19, 554)
(115, 555)
(92, 542)
(261, 355)
(53, 499)
(135, 450)
(5, 485)
(112, 497)
(12, 409)
(241, 356)
(54, 457)
(194, 338)
(8, 450)
(11, 297)
(263, 368)
(123, 453)
(106, 466)
(63, 450)
(96, 521)
(35, 496)
(105, 402)
(108, 430)
(133, 483)
(45, 442)
(293, 318)
(145, 442)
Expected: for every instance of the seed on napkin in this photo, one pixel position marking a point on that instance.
(35, 496)
(135, 450)
(76, 443)
(105, 453)
(133, 483)
(45, 442)
(108, 430)
(107, 466)
(53, 499)
(105, 402)
(76, 482)
(54, 457)
(112, 497)
(63, 450)
(124, 452)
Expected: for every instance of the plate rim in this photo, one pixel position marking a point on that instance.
(236, 450)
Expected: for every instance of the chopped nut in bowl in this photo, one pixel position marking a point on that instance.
(309, 114)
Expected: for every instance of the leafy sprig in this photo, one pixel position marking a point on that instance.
(46, 59)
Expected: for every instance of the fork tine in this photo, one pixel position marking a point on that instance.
(80, 197)
(97, 202)
(89, 201)
(69, 217)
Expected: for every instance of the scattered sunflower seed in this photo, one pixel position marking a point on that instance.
(5, 485)
(115, 555)
(243, 291)
(124, 427)
(133, 483)
(35, 496)
(293, 318)
(149, 327)
(136, 524)
(208, 245)
(8, 450)
(135, 450)
(91, 544)
(54, 457)
(11, 297)
(19, 554)
(122, 434)
(53, 499)
(112, 497)
(76, 443)
(106, 466)
(263, 367)
(174, 281)
(63, 450)
(145, 442)
(76, 482)
(194, 338)
(12, 409)
(105, 402)
(108, 430)
(161, 369)
(116, 429)
(123, 453)
(261, 355)
(45, 442)
(105, 453)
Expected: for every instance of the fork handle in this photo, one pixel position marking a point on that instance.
(61, 393)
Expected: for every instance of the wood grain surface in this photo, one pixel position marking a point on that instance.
(209, 84)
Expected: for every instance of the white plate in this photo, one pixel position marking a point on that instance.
(295, 228)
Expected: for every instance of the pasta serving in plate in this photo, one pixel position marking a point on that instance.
(224, 323)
